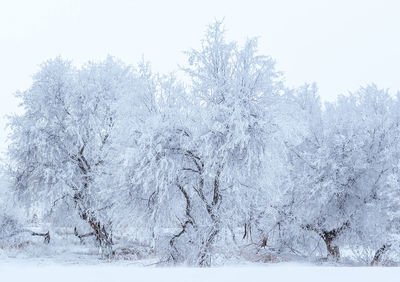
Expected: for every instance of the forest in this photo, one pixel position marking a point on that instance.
(223, 163)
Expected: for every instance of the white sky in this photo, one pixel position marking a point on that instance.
(340, 45)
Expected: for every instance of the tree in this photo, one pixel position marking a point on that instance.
(59, 142)
(199, 156)
(238, 90)
(339, 170)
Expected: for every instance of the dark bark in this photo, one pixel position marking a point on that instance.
(189, 221)
(45, 235)
(102, 235)
(329, 237)
(211, 208)
(379, 253)
(245, 231)
(204, 256)
(264, 242)
(82, 236)
(16, 232)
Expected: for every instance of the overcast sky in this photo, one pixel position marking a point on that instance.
(340, 45)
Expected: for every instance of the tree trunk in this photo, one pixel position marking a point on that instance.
(328, 237)
(379, 253)
(332, 249)
(247, 232)
(204, 255)
(264, 242)
(102, 236)
(175, 255)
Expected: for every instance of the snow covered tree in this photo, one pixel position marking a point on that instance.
(199, 156)
(59, 142)
(154, 152)
(238, 91)
(341, 166)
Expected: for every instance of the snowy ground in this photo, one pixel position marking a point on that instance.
(65, 259)
(17, 270)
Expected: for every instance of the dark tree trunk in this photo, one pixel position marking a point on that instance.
(264, 242)
(329, 237)
(245, 231)
(204, 255)
(379, 253)
(175, 255)
(332, 249)
(102, 235)
(204, 258)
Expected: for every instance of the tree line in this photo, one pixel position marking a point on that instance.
(195, 168)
